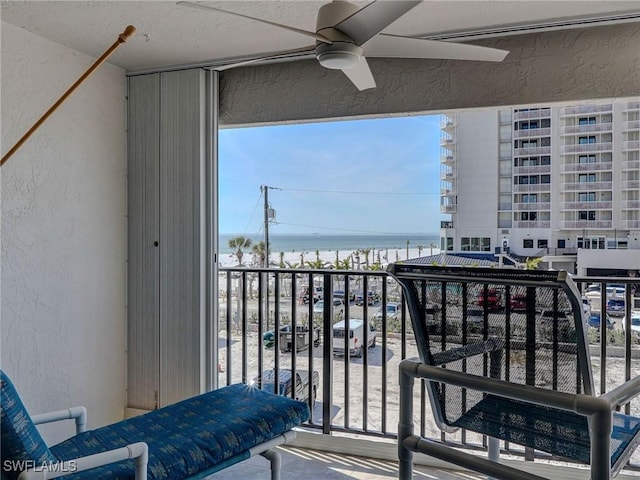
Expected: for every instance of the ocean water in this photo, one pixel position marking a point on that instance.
(289, 243)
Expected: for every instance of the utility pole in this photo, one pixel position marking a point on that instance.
(265, 191)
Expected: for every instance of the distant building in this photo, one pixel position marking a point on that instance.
(559, 182)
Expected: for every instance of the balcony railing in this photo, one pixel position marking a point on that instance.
(582, 109)
(586, 167)
(532, 132)
(603, 205)
(587, 147)
(582, 186)
(596, 127)
(531, 169)
(540, 113)
(586, 224)
(357, 393)
(542, 150)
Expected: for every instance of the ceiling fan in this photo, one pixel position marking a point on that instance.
(346, 35)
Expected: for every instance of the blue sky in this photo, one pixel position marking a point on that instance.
(390, 166)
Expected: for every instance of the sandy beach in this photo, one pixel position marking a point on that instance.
(296, 259)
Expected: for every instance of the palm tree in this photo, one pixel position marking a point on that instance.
(420, 248)
(366, 252)
(258, 251)
(282, 260)
(318, 264)
(239, 243)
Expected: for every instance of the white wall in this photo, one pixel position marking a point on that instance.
(63, 231)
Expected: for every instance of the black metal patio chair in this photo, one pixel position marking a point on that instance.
(504, 353)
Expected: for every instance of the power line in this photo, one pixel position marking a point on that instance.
(354, 192)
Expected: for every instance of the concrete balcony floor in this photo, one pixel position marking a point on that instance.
(302, 463)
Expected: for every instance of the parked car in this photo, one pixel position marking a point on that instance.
(518, 302)
(318, 293)
(593, 320)
(615, 306)
(394, 310)
(372, 298)
(338, 308)
(266, 382)
(356, 336)
(303, 338)
(635, 322)
(493, 299)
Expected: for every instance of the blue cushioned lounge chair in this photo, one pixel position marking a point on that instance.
(191, 439)
(504, 353)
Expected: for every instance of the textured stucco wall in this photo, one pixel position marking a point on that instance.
(63, 237)
(557, 66)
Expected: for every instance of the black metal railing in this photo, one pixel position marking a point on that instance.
(283, 321)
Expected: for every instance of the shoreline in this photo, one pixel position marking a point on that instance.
(296, 259)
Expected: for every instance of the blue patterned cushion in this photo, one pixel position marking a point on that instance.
(21, 441)
(190, 436)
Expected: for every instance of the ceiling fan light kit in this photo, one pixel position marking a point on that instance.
(338, 55)
(345, 35)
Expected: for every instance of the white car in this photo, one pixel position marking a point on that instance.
(393, 311)
(635, 322)
(338, 308)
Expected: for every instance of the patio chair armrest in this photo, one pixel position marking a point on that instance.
(77, 413)
(138, 451)
(579, 403)
(624, 393)
(466, 351)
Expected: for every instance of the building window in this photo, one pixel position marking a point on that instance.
(545, 179)
(587, 178)
(543, 243)
(527, 243)
(587, 159)
(561, 243)
(587, 196)
(545, 160)
(587, 121)
(475, 244)
(588, 215)
(587, 139)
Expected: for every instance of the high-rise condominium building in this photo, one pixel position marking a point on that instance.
(559, 182)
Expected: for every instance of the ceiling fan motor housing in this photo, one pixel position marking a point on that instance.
(342, 53)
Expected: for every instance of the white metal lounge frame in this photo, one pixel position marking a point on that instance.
(137, 451)
(598, 409)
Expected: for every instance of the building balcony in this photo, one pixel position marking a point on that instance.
(630, 224)
(535, 187)
(519, 152)
(630, 204)
(607, 205)
(632, 106)
(353, 429)
(448, 176)
(582, 109)
(587, 147)
(532, 133)
(448, 143)
(631, 125)
(594, 127)
(630, 184)
(585, 186)
(532, 224)
(631, 164)
(586, 167)
(586, 224)
(537, 206)
(448, 159)
(447, 192)
(631, 145)
(541, 113)
(448, 209)
(532, 169)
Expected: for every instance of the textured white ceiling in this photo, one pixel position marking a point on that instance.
(172, 35)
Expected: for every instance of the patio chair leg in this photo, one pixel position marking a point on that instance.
(493, 445)
(276, 462)
(405, 426)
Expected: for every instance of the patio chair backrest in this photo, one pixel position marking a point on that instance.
(532, 320)
(21, 444)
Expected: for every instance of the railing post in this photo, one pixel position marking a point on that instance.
(327, 342)
(405, 422)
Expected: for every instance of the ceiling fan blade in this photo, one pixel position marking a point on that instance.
(373, 18)
(361, 75)
(394, 46)
(266, 56)
(313, 35)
